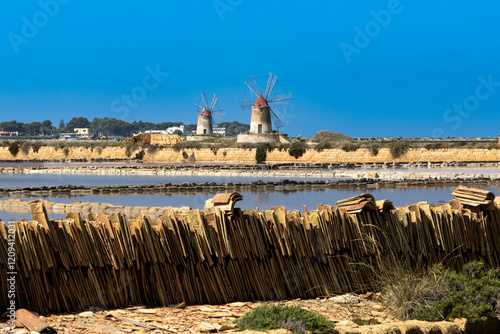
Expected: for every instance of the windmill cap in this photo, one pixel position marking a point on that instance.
(261, 101)
(205, 112)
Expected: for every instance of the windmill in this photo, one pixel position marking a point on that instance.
(207, 115)
(270, 106)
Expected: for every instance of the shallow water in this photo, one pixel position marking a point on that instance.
(34, 180)
(262, 199)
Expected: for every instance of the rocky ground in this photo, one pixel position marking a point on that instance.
(351, 313)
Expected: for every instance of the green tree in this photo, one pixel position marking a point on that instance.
(33, 128)
(297, 149)
(12, 126)
(78, 122)
(46, 127)
(261, 153)
(61, 124)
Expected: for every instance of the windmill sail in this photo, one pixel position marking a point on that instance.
(204, 97)
(271, 82)
(252, 85)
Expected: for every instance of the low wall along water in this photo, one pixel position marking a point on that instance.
(248, 155)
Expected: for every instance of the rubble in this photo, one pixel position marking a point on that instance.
(155, 139)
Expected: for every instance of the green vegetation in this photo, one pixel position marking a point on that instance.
(36, 145)
(292, 318)
(25, 147)
(107, 127)
(187, 145)
(234, 128)
(351, 147)
(323, 146)
(398, 148)
(492, 145)
(261, 153)
(325, 136)
(140, 155)
(434, 146)
(297, 149)
(374, 148)
(441, 294)
(14, 148)
(130, 148)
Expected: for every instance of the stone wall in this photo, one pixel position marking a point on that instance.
(248, 155)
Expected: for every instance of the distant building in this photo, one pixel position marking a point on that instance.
(8, 133)
(161, 132)
(219, 131)
(84, 132)
(71, 136)
(172, 129)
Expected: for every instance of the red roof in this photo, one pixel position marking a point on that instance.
(261, 101)
(205, 112)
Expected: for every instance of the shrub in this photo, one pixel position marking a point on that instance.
(152, 149)
(99, 151)
(130, 148)
(297, 149)
(492, 145)
(140, 155)
(66, 151)
(185, 155)
(187, 144)
(351, 147)
(329, 136)
(283, 147)
(247, 146)
(269, 317)
(261, 153)
(25, 147)
(433, 146)
(14, 148)
(35, 146)
(398, 149)
(374, 148)
(406, 290)
(5, 143)
(442, 294)
(459, 144)
(471, 294)
(323, 146)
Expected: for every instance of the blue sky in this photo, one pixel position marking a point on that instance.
(416, 68)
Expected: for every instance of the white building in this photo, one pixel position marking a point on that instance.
(172, 129)
(219, 131)
(83, 132)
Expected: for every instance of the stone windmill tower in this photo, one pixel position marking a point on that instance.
(207, 114)
(265, 109)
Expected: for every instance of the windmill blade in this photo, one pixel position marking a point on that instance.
(252, 85)
(246, 108)
(282, 100)
(204, 97)
(278, 119)
(219, 115)
(198, 108)
(214, 102)
(246, 103)
(271, 83)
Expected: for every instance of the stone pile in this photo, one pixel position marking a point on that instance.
(219, 257)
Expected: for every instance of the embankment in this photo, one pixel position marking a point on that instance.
(248, 155)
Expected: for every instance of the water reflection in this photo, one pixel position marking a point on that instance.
(264, 199)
